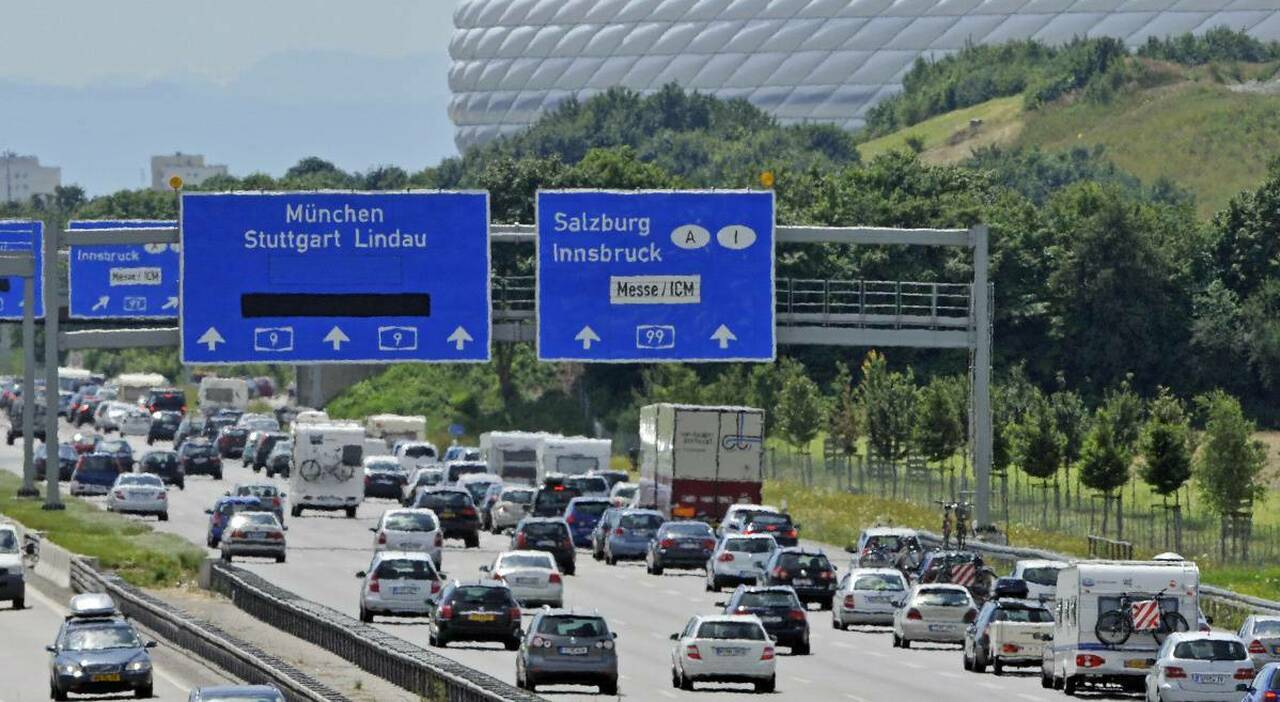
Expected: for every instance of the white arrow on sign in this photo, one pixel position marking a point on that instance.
(587, 336)
(336, 337)
(102, 303)
(171, 303)
(459, 338)
(724, 336)
(211, 338)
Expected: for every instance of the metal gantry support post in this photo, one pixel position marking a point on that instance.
(982, 429)
(52, 498)
(28, 488)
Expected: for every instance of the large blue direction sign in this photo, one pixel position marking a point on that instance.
(335, 277)
(655, 276)
(122, 281)
(25, 236)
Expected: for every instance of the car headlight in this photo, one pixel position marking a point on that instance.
(138, 665)
(70, 669)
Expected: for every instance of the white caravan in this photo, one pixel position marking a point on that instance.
(391, 428)
(131, 387)
(223, 393)
(327, 470)
(572, 455)
(512, 455)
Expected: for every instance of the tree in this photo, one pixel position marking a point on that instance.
(844, 419)
(889, 403)
(1073, 422)
(1230, 462)
(1124, 409)
(1104, 460)
(939, 430)
(800, 407)
(1165, 445)
(1038, 444)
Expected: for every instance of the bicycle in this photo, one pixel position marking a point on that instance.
(962, 524)
(1115, 626)
(948, 522)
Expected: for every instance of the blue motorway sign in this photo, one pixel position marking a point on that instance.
(21, 235)
(335, 277)
(655, 276)
(122, 281)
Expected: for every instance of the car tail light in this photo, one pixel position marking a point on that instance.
(1270, 696)
(1244, 673)
(779, 572)
(373, 585)
(497, 576)
(1088, 660)
(742, 609)
(825, 575)
(667, 543)
(435, 586)
(446, 612)
(162, 495)
(440, 538)
(368, 480)
(1256, 646)
(1173, 671)
(536, 641)
(617, 531)
(275, 502)
(554, 579)
(691, 651)
(513, 613)
(382, 537)
(791, 534)
(1010, 648)
(276, 536)
(606, 645)
(767, 653)
(796, 614)
(970, 616)
(521, 540)
(848, 602)
(119, 494)
(468, 511)
(725, 557)
(571, 519)
(914, 614)
(237, 534)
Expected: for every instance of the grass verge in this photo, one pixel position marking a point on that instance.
(140, 555)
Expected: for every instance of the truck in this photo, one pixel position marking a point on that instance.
(696, 460)
(1089, 590)
(394, 427)
(327, 473)
(223, 393)
(512, 455)
(571, 455)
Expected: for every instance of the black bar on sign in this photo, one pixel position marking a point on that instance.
(335, 305)
(4, 285)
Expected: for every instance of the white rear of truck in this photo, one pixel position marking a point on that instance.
(696, 460)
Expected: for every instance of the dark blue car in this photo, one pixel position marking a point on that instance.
(1265, 685)
(95, 473)
(582, 514)
(222, 512)
(97, 655)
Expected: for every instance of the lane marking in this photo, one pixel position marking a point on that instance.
(991, 686)
(673, 593)
(909, 664)
(949, 674)
(667, 693)
(841, 644)
(855, 698)
(1033, 698)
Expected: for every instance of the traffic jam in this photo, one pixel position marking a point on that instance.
(695, 505)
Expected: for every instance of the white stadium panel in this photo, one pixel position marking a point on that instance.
(804, 61)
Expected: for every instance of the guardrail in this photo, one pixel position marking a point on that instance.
(389, 657)
(1102, 547)
(202, 639)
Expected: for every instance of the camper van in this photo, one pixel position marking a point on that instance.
(391, 428)
(72, 379)
(130, 387)
(223, 393)
(1089, 590)
(328, 459)
(512, 455)
(574, 455)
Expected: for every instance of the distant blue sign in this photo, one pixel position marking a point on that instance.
(456, 430)
(122, 281)
(335, 277)
(655, 276)
(28, 236)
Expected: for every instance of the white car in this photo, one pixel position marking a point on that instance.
(108, 415)
(139, 493)
(723, 648)
(621, 494)
(1041, 578)
(1194, 666)
(532, 576)
(512, 505)
(13, 572)
(410, 529)
(134, 422)
(1261, 635)
(737, 560)
(420, 478)
(933, 613)
(868, 596)
(735, 517)
(399, 584)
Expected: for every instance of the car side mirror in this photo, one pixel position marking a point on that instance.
(51, 648)
(772, 638)
(613, 635)
(373, 529)
(283, 495)
(850, 549)
(30, 550)
(150, 644)
(675, 637)
(721, 604)
(361, 574)
(797, 525)
(208, 511)
(1243, 688)
(484, 569)
(1208, 620)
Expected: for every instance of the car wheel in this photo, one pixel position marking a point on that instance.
(906, 643)
(295, 511)
(365, 616)
(164, 516)
(149, 441)
(609, 559)
(1045, 680)
(351, 512)
(1069, 686)
(609, 688)
(571, 569)
(217, 476)
(836, 624)
(9, 440)
(657, 569)
(897, 641)
(472, 541)
(802, 648)
(978, 665)
(997, 668)
(226, 556)
(56, 693)
(182, 486)
(19, 603)
(280, 558)
(143, 693)
(513, 643)
(675, 678)
(768, 685)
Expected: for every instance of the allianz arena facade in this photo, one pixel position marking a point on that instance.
(801, 60)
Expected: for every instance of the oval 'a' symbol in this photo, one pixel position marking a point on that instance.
(736, 236)
(690, 236)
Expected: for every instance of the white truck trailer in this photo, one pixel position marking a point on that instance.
(327, 470)
(697, 460)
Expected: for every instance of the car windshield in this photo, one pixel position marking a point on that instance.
(430, 477)
(588, 485)
(100, 638)
(97, 464)
(409, 521)
(1266, 627)
(519, 497)
(749, 631)
(448, 499)
(1041, 576)
(255, 519)
(234, 507)
(749, 545)
(769, 598)
(480, 595)
(160, 458)
(477, 490)
(420, 452)
(526, 560)
(591, 509)
(553, 499)
(1210, 650)
(191, 449)
(891, 542)
(115, 447)
(544, 530)
(8, 542)
(1025, 615)
(879, 583)
(625, 491)
(640, 521)
(257, 491)
(942, 598)
(582, 627)
(687, 529)
(458, 470)
(384, 466)
(768, 519)
(803, 561)
(140, 480)
(405, 569)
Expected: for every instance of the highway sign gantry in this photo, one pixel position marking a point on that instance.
(122, 281)
(26, 236)
(655, 276)
(335, 277)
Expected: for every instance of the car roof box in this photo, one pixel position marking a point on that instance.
(93, 604)
(1014, 588)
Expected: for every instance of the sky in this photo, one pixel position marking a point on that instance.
(97, 87)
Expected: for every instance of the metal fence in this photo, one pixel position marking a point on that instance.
(389, 657)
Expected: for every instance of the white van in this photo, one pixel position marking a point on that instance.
(391, 428)
(328, 473)
(1086, 591)
(512, 455)
(571, 455)
(223, 393)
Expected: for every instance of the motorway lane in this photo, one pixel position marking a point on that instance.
(24, 664)
(326, 549)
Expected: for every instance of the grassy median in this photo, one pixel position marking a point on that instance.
(141, 555)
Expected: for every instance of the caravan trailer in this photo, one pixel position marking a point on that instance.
(131, 387)
(391, 428)
(512, 455)
(223, 393)
(571, 455)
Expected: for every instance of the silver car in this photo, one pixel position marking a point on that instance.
(563, 647)
(511, 506)
(1261, 636)
(868, 596)
(412, 529)
(253, 534)
(399, 584)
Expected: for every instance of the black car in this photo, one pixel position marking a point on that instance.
(550, 534)
(166, 400)
(213, 425)
(262, 449)
(552, 498)
(121, 451)
(66, 460)
(779, 610)
(166, 465)
(17, 423)
(164, 426)
(779, 526)
(189, 427)
(680, 545)
(482, 610)
(806, 571)
(231, 440)
(199, 457)
(384, 478)
(456, 512)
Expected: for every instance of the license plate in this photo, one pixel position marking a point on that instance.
(574, 651)
(723, 651)
(546, 543)
(881, 599)
(771, 620)
(404, 590)
(1275, 650)
(687, 545)
(942, 627)
(1142, 663)
(410, 544)
(482, 617)
(802, 581)
(1208, 679)
(257, 534)
(525, 581)
(199, 460)
(105, 677)
(446, 515)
